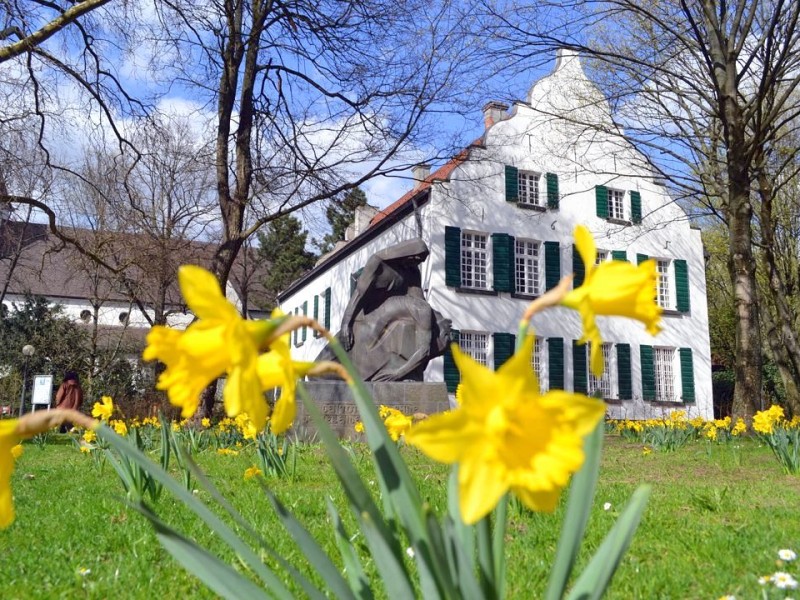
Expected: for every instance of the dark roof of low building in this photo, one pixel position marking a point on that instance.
(46, 266)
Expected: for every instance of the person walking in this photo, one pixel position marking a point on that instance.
(69, 395)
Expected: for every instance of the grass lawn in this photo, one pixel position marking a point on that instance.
(717, 516)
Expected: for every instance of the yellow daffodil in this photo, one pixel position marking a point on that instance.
(17, 451)
(104, 409)
(359, 427)
(205, 422)
(277, 369)
(219, 343)
(612, 288)
(397, 424)
(506, 436)
(252, 472)
(89, 436)
(8, 440)
(85, 449)
(227, 452)
(119, 427)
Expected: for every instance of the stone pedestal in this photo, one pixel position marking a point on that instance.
(335, 402)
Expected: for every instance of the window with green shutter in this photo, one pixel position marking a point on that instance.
(687, 374)
(619, 255)
(648, 372)
(552, 190)
(636, 207)
(503, 347)
(682, 285)
(577, 267)
(452, 256)
(552, 264)
(304, 333)
(555, 363)
(601, 201)
(512, 184)
(451, 375)
(579, 381)
(296, 332)
(640, 258)
(624, 374)
(503, 262)
(327, 299)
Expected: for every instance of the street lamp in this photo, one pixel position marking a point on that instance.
(27, 352)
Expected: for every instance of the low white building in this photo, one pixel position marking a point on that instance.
(499, 221)
(34, 262)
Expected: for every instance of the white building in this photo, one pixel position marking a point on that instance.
(499, 221)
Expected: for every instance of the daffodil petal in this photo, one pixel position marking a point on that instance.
(479, 489)
(8, 439)
(203, 294)
(445, 437)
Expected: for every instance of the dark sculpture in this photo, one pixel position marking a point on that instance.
(389, 330)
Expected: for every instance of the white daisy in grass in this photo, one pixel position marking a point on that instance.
(784, 581)
(787, 555)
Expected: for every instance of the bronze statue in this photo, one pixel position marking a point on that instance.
(389, 330)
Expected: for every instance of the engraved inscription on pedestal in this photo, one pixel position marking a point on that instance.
(335, 402)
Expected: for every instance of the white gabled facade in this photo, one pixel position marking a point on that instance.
(499, 223)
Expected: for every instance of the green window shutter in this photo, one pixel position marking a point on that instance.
(503, 262)
(619, 255)
(579, 380)
(304, 333)
(601, 201)
(552, 264)
(577, 267)
(636, 207)
(452, 256)
(296, 332)
(552, 190)
(512, 184)
(624, 376)
(327, 321)
(555, 363)
(648, 373)
(451, 375)
(316, 313)
(640, 258)
(682, 285)
(503, 348)
(687, 374)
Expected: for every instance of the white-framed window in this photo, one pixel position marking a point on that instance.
(528, 267)
(476, 345)
(664, 364)
(528, 188)
(538, 363)
(616, 204)
(604, 383)
(474, 259)
(665, 293)
(602, 256)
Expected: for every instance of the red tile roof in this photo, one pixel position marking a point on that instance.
(442, 172)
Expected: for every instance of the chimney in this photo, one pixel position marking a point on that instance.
(363, 216)
(420, 173)
(493, 112)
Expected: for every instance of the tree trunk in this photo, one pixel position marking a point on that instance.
(747, 393)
